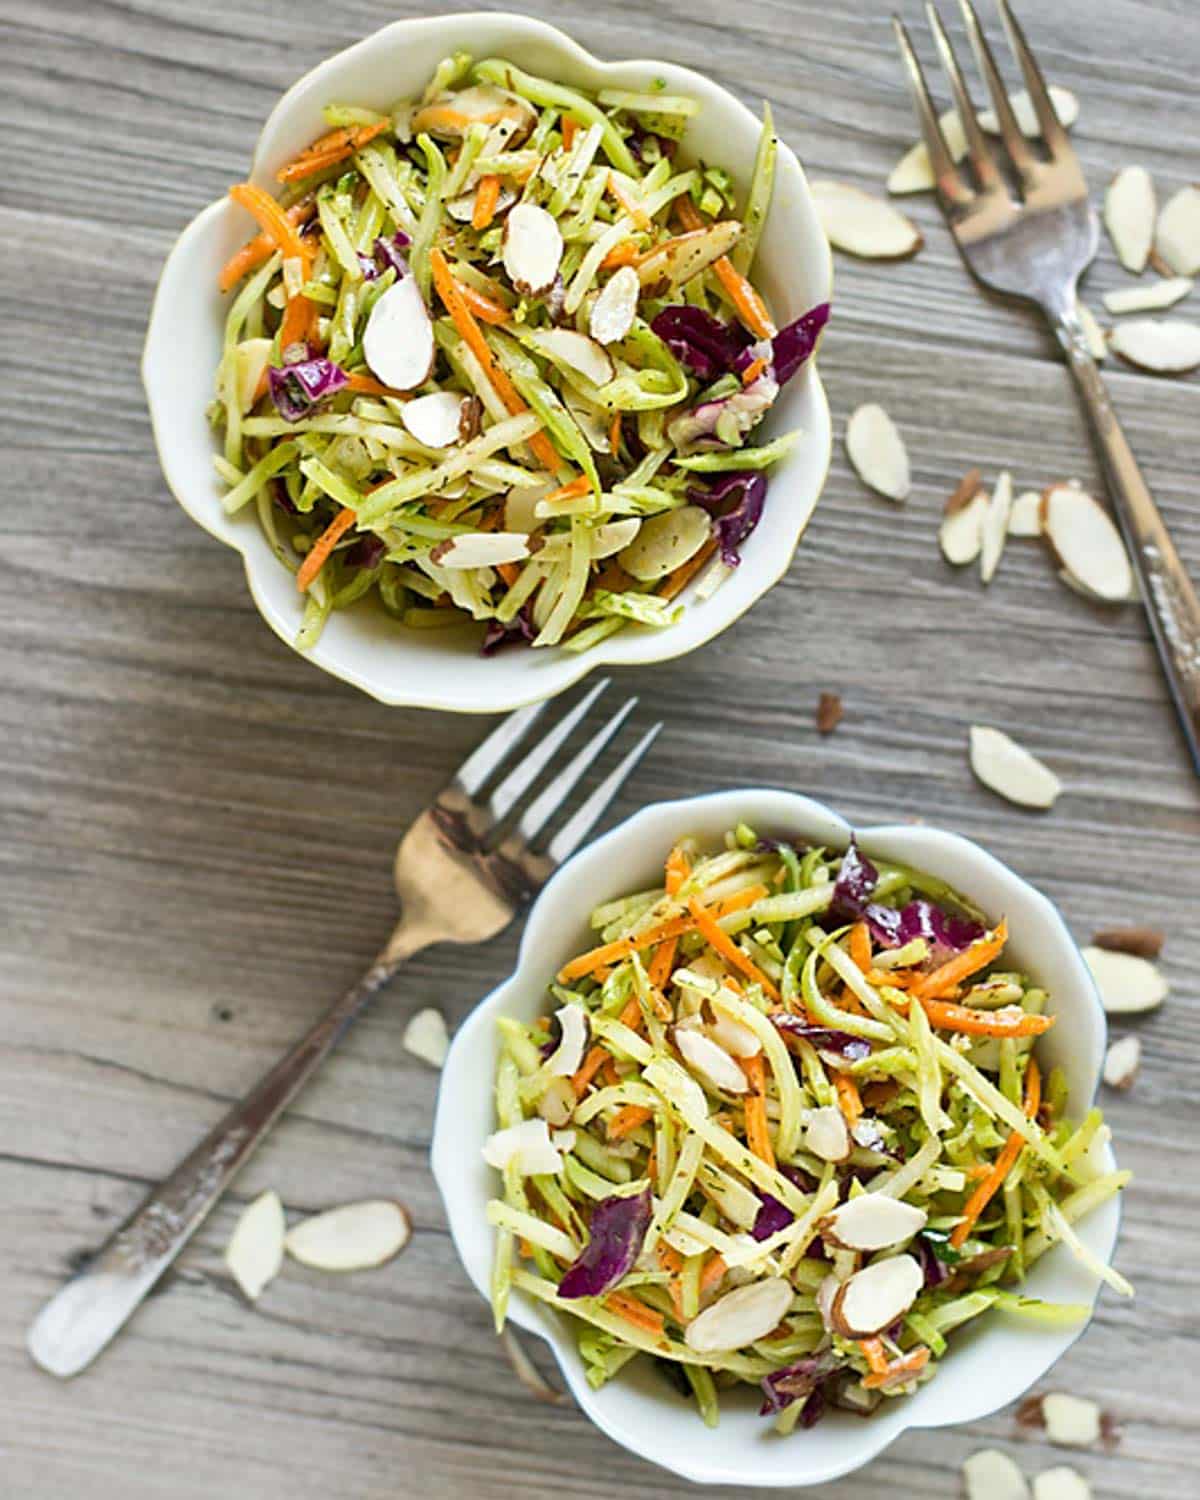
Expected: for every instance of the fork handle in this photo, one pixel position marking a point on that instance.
(1167, 593)
(77, 1323)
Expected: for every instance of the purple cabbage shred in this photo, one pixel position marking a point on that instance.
(852, 889)
(517, 633)
(921, 918)
(796, 1382)
(300, 385)
(367, 552)
(748, 489)
(386, 255)
(704, 344)
(844, 1043)
(615, 1235)
(771, 1217)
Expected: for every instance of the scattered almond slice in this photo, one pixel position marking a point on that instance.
(1085, 541)
(1121, 1062)
(1009, 769)
(740, 1317)
(1127, 984)
(913, 173)
(665, 542)
(1177, 234)
(1164, 292)
(527, 1372)
(435, 420)
(964, 491)
(1092, 332)
(877, 451)
(520, 505)
(995, 527)
(355, 1237)
(992, 1475)
(1144, 942)
(527, 1144)
(1025, 517)
(1066, 107)
(615, 308)
(1129, 209)
(863, 225)
(829, 712)
(713, 1063)
(480, 549)
(873, 1298)
(1071, 1421)
(531, 249)
(567, 1057)
(1160, 346)
(1061, 1483)
(1080, 588)
(961, 532)
(872, 1221)
(425, 1037)
(614, 536)
(398, 342)
(826, 1134)
(254, 1253)
(583, 354)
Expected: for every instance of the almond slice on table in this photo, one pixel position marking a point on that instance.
(615, 308)
(960, 535)
(1061, 1483)
(254, 1253)
(1144, 942)
(913, 173)
(1009, 769)
(1160, 346)
(531, 249)
(583, 354)
(425, 1037)
(877, 451)
(992, 1475)
(355, 1237)
(1084, 592)
(863, 225)
(1177, 234)
(1066, 107)
(1164, 292)
(872, 1221)
(1122, 1061)
(1093, 334)
(740, 1317)
(665, 542)
(829, 712)
(1025, 517)
(1129, 210)
(1127, 984)
(398, 342)
(994, 532)
(873, 1298)
(1085, 541)
(713, 1063)
(435, 420)
(480, 549)
(827, 1135)
(1071, 1421)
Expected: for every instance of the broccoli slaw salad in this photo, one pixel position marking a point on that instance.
(787, 1129)
(497, 356)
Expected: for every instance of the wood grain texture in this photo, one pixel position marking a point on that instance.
(196, 826)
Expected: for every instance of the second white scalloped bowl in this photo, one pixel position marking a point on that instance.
(989, 1363)
(443, 669)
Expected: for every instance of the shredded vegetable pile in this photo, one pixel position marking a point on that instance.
(787, 1129)
(496, 355)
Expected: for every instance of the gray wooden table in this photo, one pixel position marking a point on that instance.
(197, 825)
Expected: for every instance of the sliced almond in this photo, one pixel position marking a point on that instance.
(827, 1135)
(614, 536)
(677, 260)
(425, 1037)
(995, 527)
(254, 1253)
(913, 173)
(1177, 234)
(1071, 1421)
(567, 1057)
(1085, 541)
(1061, 1483)
(877, 451)
(398, 342)
(1145, 942)
(740, 1317)
(250, 360)
(1009, 769)
(355, 1237)
(1025, 517)
(1129, 207)
(615, 308)
(863, 225)
(728, 1032)
(436, 419)
(520, 505)
(462, 208)
(527, 1372)
(1077, 586)
(964, 492)
(1127, 984)
(1164, 292)
(1066, 107)
(532, 249)
(528, 1144)
(557, 1105)
(829, 712)
(452, 114)
(1160, 346)
(713, 1063)
(1093, 334)
(872, 1221)
(961, 532)
(873, 1298)
(577, 351)
(481, 549)
(665, 542)
(1121, 1062)
(992, 1475)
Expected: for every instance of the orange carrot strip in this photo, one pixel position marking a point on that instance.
(316, 557)
(331, 148)
(753, 370)
(984, 1022)
(483, 307)
(635, 1312)
(714, 1269)
(624, 253)
(274, 223)
(673, 927)
(849, 1100)
(873, 1350)
(677, 870)
(367, 385)
(628, 1118)
(509, 573)
(590, 1066)
(909, 1364)
(858, 942)
(487, 195)
(450, 291)
(1004, 1164)
(609, 1072)
(662, 964)
(758, 1136)
(670, 1259)
(568, 127)
(254, 252)
(614, 434)
(674, 583)
(571, 491)
(729, 950)
(627, 204)
(299, 318)
(969, 961)
(748, 304)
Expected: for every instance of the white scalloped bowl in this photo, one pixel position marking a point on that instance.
(990, 1362)
(361, 645)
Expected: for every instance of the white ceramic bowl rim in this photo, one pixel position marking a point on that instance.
(442, 669)
(1004, 1356)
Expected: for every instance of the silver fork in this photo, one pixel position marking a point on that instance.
(1025, 227)
(462, 873)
